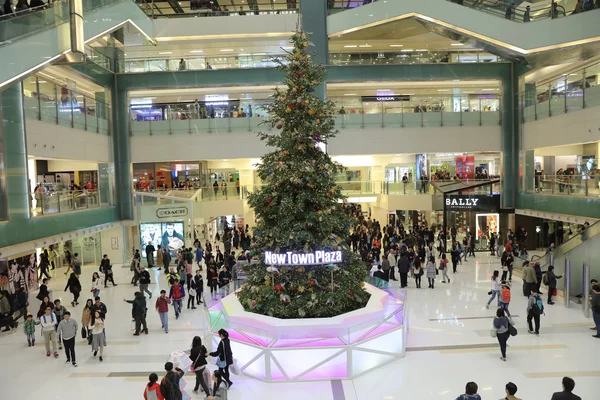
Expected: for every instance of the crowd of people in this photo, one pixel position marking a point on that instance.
(10, 7)
(510, 390)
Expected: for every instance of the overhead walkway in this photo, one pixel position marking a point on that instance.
(38, 38)
(466, 23)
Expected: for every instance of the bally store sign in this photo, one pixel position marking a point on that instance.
(472, 203)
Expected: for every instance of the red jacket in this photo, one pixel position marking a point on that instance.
(162, 304)
(153, 392)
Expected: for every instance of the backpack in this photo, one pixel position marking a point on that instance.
(506, 295)
(176, 292)
(538, 306)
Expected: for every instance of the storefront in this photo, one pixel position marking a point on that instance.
(476, 213)
(170, 175)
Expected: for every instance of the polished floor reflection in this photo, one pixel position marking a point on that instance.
(448, 344)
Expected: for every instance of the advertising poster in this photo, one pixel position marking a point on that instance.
(421, 166)
(465, 167)
(168, 235)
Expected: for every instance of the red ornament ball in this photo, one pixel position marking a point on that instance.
(278, 288)
(299, 74)
(312, 282)
(351, 293)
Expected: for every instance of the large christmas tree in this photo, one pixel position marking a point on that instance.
(299, 212)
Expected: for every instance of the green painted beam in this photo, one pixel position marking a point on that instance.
(94, 72)
(581, 206)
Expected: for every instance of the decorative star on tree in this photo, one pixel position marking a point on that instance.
(300, 207)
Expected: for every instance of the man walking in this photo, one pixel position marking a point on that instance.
(138, 313)
(150, 249)
(67, 329)
(403, 267)
(535, 308)
(144, 281)
(177, 293)
(162, 306)
(48, 322)
(596, 308)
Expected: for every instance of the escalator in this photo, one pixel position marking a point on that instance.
(481, 21)
(33, 39)
(581, 249)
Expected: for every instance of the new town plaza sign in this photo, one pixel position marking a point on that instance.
(291, 258)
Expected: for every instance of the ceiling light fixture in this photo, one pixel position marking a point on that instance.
(162, 53)
(226, 50)
(421, 50)
(196, 51)
(407, 50)
(350, 46)
(396, 45)
(443, 90)
(457, 44)
(365, 45)
(350, 94)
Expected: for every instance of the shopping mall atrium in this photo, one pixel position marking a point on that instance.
(133, 125)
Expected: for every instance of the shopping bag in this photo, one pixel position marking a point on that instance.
(235, 367)
(555, 292)
(192, 292)
(180, 360)
(83, 332)
(493, 333)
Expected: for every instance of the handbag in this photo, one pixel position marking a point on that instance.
(83, 332)
(512, 330)
(192, 292)
(221, 363)
(490, 293)
(493, 333)
(555, 292)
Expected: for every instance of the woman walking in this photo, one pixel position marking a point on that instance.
(98, 335)
(219, 391)
(431, 272)
(95, 289)
(418, 272)
(225, 356)
(86, 319)
(74, 287)
(550, 280)
(501, 326)
(444, 268)
(495, 292)
(198, 356)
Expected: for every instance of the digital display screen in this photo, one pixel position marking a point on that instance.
(168, 235)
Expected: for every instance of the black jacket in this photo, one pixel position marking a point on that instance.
(144, 277)
(403, 265)
(73, 285)
(139, 306)
(224, 351)
(565, 396)
(198, 283)
(198, 356)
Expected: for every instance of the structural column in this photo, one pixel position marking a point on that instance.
(314, 22)
(15, 157)
(122, 152)
(510, 136)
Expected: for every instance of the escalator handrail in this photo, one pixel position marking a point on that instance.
(572, 243)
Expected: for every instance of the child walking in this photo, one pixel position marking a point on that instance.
(29, 329)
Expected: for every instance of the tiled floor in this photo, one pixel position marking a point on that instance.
(448, 345)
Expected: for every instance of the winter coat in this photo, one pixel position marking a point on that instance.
(430, 268)
(139, 306)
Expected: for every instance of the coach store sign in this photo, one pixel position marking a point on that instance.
(172, 212)
(472, 203)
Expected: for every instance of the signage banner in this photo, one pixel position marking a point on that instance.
(472, 202)
(465, 166)
(170, 212)
(291, 258)
(386, 98)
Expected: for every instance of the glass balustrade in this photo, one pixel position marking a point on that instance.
(349, 188)
(587, 185)
(264, 60)
(20, 24)
(209, 8)
(569, 92)
(44, 202)
(48, 102)
(353, 113)
(537, 12)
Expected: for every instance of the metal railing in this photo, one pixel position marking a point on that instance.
(353, 113)
(207, 8)
(45, 202)
(570, 92)
(335, 6)
(586, 185)
(48, 102)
